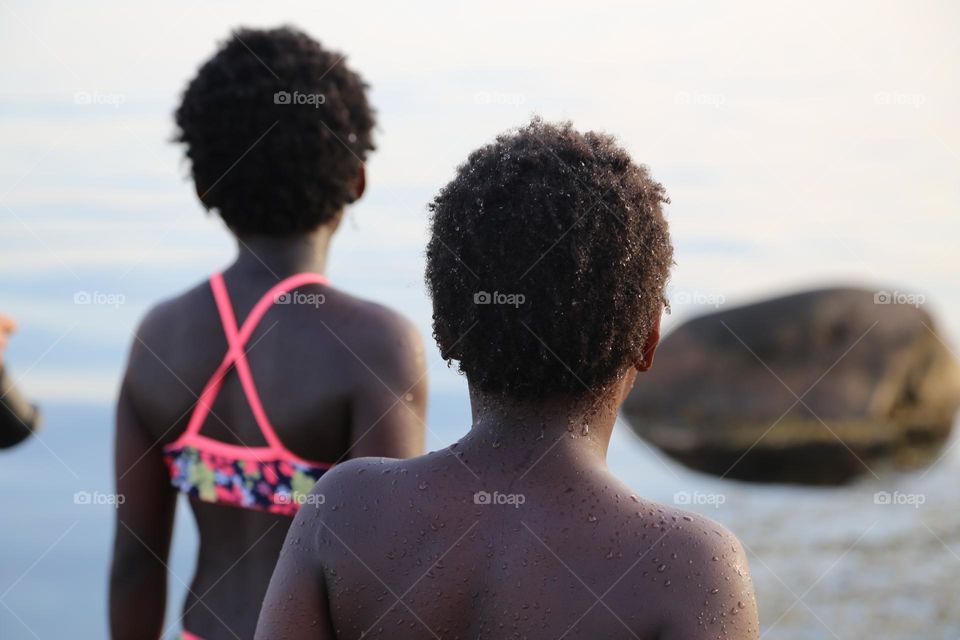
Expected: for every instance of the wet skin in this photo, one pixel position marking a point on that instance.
(341, 380)
(402, 549)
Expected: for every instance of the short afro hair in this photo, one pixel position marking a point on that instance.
(276, 128)
(547, 263)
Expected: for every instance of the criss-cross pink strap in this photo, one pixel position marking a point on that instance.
(236, 355)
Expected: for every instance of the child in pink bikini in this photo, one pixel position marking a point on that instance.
(242, 392)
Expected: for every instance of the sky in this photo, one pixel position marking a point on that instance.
(801, 146)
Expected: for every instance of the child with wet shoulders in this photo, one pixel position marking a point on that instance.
(547, 266)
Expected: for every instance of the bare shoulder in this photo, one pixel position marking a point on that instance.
(376, 322)
(367, 488)
(702, 573)
(378, 336)
(166, 320)
(353, 479)
(348, 502)
(170, 336)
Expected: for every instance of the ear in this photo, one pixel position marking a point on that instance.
(650, 348)
(360, 184)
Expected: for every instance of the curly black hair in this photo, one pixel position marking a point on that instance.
(547, 263)
(276, 128)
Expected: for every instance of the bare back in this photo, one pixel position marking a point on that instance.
(464, 544)
(338, 377)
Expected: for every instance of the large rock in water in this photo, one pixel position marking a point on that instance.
(877, 388)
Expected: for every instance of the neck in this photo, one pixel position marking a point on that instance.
(515, 433)
(279, 257)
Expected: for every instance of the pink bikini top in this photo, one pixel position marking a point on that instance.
(267, 478)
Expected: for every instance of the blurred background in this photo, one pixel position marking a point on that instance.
(802, 146)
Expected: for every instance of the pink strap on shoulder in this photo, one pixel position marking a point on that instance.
(236, 355)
